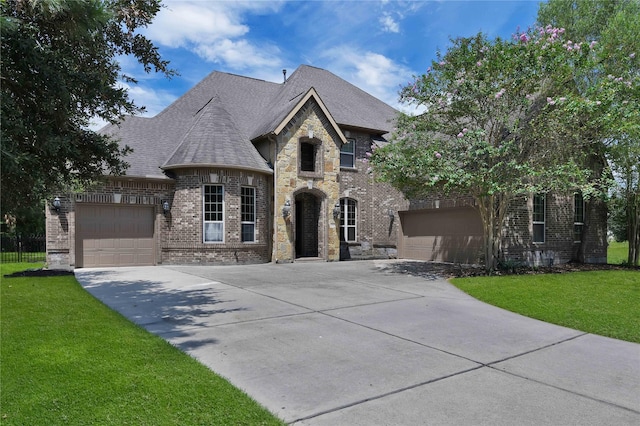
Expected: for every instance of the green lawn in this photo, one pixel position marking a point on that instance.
(617, 252)
(600, 302)
(68, 359)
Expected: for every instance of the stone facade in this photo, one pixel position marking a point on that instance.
(295, 183)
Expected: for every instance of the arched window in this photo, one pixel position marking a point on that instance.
(348, 220)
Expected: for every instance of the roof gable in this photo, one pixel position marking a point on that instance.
(311, 94)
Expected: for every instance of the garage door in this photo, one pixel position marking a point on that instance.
(110, 235)
(444, 235)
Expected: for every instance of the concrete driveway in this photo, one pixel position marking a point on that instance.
(361, 343)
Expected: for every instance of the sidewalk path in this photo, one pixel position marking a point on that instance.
(357, 343)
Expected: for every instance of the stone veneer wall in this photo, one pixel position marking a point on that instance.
(309, 124)
(377, 233)
(182, 238)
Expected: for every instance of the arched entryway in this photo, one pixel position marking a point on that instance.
(307, 210)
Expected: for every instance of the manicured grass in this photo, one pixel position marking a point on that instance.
(68, 359)
(600, 302)
(617, 252)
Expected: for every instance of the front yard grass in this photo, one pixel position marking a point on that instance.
(68, 359)
(599, 302)
(617, 252)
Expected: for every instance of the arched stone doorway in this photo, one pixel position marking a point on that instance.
(309, 235)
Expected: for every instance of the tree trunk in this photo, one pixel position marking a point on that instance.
(633, 226)
(492, 210)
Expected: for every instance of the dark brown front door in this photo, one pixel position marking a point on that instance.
(307, 214)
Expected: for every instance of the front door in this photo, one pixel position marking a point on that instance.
(307, 215)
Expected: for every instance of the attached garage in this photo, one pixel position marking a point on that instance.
(114, 235)
(443, 235)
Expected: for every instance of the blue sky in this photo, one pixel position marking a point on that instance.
(376, 45)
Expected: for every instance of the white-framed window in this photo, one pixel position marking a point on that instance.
(539, 208)
(348, 220)
(348, 154)
(578, 217)
(213, 213)
(247, 214)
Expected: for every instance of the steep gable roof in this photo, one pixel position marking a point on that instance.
(216, 140)
(301, 101)
(214, 123)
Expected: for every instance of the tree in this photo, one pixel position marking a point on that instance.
(58, 71)
(485, 130)
(606, 108)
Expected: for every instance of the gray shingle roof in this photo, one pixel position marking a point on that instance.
(214, 123)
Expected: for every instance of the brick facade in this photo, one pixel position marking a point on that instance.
(559, 245)
(182, 239)
(377, 205)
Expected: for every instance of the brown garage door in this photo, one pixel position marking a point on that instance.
(109, 235)
(444, 235)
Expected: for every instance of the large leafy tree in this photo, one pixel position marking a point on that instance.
(605, 107)
(485, 131)
(59, 69)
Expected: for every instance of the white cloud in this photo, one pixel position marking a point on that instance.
(239, 54)
(372, 72)
(214, 30)
(183, 23)
(389, 25)
(153, 100)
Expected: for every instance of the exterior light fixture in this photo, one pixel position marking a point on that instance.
(286, 210)
(336, 211)
(166, 207)
(56, 204)
(391, 214)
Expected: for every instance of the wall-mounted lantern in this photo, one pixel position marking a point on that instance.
(56, 204)
(391, 214)
(166, 207)
(336, 211)
(286, 210)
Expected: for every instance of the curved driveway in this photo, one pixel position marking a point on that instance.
(361, 343)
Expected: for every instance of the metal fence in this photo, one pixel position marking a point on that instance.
(22, 248)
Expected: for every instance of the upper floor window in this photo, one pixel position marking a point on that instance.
(347, 154)
(248, 214)
(307, 157)
(348, 220)
(578, 217)
(539, 202)
(310, 157)
(213, 213)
